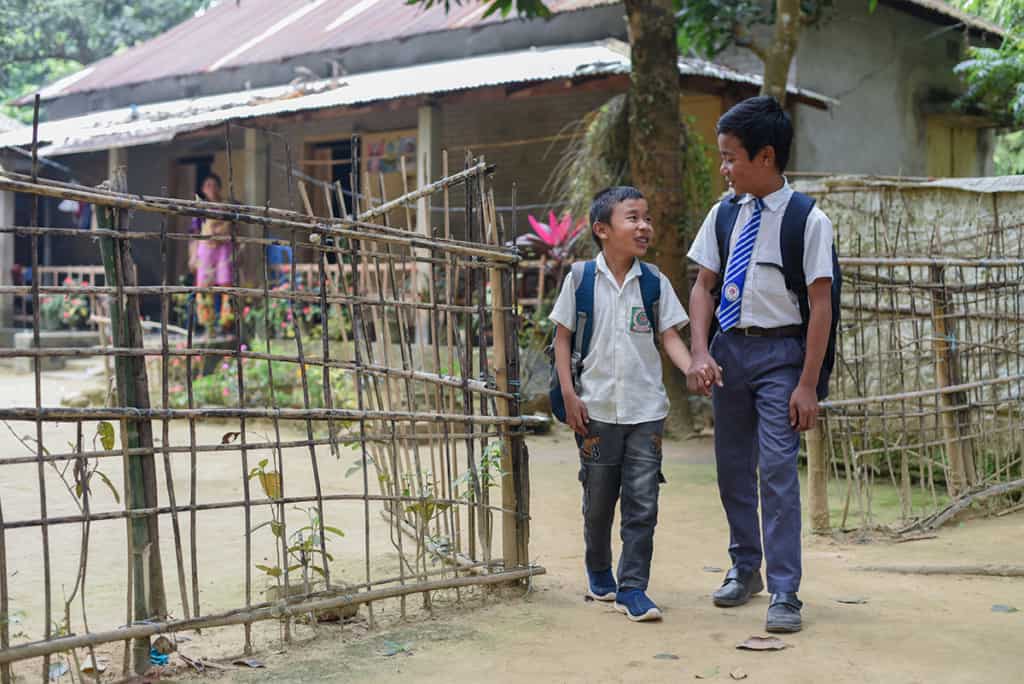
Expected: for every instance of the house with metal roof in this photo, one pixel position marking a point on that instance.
(288, 83)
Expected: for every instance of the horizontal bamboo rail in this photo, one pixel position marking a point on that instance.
(257, 613)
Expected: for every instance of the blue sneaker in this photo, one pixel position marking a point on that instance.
(636, 606)
(601, 585)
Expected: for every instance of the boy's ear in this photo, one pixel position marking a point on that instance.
(766, 156)
(600, 229)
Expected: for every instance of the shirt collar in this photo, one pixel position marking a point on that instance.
(774, 201)
(602, 266)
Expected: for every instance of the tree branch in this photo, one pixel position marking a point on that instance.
(744, 38)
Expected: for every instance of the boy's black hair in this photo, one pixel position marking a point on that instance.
(603, 204)
(759, 122)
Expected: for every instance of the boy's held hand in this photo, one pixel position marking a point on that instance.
(703, 374)
(576, 416)
(803, 408)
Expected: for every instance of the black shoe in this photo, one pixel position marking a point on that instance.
(784, 613)
(737, 588)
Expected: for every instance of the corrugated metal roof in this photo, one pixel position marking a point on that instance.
(161, 122)
(9, 124)
(982, 185)
(258, 31)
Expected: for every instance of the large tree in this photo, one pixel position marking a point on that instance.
(42, 40)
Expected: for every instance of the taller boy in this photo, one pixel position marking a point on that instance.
(766, 357)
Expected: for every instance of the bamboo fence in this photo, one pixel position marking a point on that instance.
(928, 392)
(411, 365)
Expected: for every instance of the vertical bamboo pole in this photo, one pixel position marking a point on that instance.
(133, 391)
(817, 480)
(957, 476)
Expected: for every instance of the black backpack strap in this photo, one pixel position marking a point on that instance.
(725, 222)
(794, 227)
(650, 294)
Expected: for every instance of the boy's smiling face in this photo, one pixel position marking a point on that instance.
(629, 232)
(746, 175)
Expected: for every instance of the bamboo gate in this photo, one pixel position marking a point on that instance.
(406, 374)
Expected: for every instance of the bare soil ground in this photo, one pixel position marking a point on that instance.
(927, 629)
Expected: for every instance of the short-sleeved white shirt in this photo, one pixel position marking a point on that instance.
(766, 302)
(621, 381)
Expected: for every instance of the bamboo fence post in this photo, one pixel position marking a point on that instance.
(817, 480)
(133, 391)
(959, 476)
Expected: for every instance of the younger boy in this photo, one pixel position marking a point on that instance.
(766, 356)
(620, 410)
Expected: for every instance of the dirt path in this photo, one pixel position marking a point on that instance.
(912, 629)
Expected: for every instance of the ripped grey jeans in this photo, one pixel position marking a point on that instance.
(621, 461)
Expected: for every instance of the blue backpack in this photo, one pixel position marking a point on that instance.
(794, 222)
(584, 277)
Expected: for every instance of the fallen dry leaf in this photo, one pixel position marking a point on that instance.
(762, 643)
(738, 674)
(852, 600)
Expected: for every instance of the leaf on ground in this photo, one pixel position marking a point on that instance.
(248, 662)
(712, 568)
(710, 673)
(666, 656)
(738, 674)
(230, 437)
(1001, 608)
(392, 648)
(762, 643)
(852, 600)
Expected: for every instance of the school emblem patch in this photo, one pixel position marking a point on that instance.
(731, 292)
(638, 321)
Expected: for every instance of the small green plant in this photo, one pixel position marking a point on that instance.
(304, 546)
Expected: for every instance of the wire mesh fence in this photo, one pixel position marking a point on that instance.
(340, 430)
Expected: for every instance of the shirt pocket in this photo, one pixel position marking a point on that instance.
(771, 280)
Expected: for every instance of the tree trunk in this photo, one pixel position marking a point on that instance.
(655, 154)
(779, 54)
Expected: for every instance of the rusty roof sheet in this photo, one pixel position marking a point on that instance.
(258, 31)
(161, 122)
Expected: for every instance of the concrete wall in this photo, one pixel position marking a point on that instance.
(888, 69)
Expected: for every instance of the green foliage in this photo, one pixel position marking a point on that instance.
(43, 40)
(994, 78)
(708, 27)
(64, 311)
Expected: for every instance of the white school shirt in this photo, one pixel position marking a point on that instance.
(621, 381)
(766, 302)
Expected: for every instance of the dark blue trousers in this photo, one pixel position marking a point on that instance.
(753, 437)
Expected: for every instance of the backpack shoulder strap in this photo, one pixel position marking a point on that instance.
(583, 276)
(791, 236)
(725, 221)
(650, 293)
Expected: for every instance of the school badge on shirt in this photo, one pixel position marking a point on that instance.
(638, 321)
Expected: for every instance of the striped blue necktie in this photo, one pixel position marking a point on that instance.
(736, 272)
